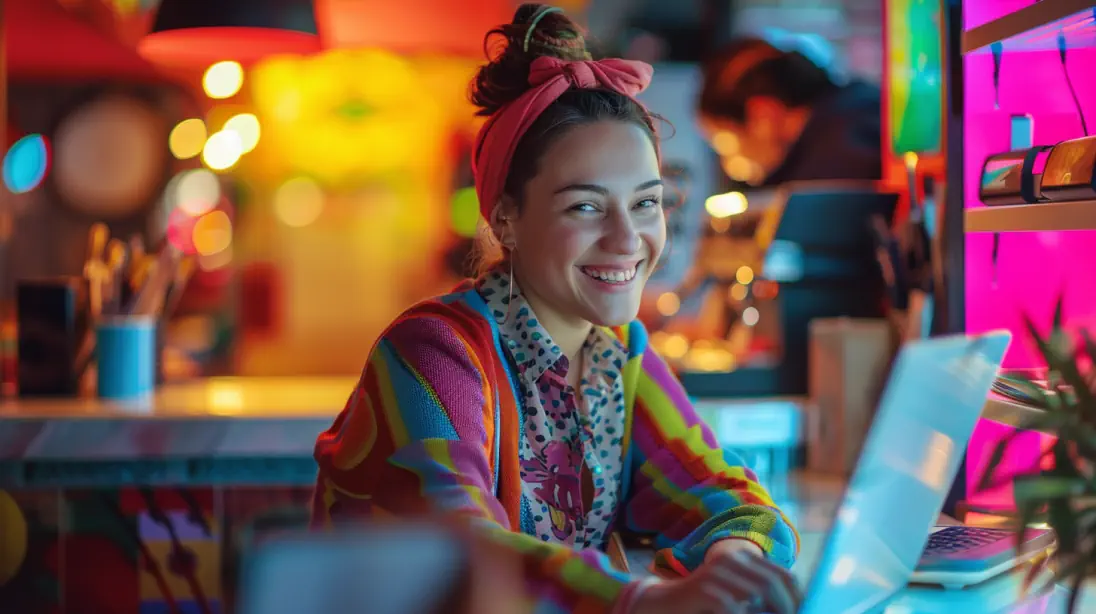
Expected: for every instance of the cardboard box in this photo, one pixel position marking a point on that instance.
(849, 361)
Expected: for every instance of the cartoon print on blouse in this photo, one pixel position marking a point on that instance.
(556, 474)
(559, 425)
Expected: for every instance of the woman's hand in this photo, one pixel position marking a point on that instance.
(730, 581)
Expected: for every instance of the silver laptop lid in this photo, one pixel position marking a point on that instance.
(928, 411)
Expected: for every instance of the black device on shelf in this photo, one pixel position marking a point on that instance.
(1070, 172)
(1013, 177)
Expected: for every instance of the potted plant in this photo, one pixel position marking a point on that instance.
(1063, 495)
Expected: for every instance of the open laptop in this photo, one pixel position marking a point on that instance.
(928, 411)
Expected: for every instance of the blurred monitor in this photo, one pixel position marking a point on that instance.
(821, 250)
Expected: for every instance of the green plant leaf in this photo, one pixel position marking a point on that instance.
(1059, 309)
(1047, 421)
(1064, 573)
(1064, 467)
(1035, 395)
(1056, 351)
(1062, 519)
(1048, 488)
(997, 478)
(1075, 587)
(1025, 515)
(989, 478)
(1090, 345)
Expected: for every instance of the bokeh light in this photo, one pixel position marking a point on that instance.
(26, 163)
(668, 303)
(750, 316)
(187, 138)
(675, 346)
(725, 143)
(196, 192)
(214, 262)
(744, 275)
(223, 150)
(738, 168)
(212, 233)
(298, 202)
(738, 292)
(247, 126)
(726, 205)
(180, 230)
(223, 79)
(464, 210)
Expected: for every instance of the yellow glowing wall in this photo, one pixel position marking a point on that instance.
(348, 196)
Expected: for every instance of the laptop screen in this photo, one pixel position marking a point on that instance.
(933, 399)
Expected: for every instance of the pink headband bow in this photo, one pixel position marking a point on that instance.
(550, 78)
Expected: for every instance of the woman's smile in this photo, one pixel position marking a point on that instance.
(613, 278)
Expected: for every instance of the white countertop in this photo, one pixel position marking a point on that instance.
(215, 397)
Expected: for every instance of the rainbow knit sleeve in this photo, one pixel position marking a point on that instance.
(414, 439)
(686, 491)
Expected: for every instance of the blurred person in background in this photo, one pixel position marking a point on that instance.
(776, 110)
(529, 400)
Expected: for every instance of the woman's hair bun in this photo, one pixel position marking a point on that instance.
(511, 49)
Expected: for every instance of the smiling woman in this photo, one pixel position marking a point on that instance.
(528, 399)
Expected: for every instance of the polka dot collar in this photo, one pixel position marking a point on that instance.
(528, 341)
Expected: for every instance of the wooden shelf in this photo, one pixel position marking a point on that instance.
(1077, 215)
(1007, 412)
(1036, 27)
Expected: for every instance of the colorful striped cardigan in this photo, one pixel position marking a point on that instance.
(433, 426)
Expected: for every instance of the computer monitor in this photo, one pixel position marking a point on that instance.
(822, 251)
(823, 254)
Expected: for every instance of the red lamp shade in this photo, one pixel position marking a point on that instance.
(47, 43)
(197, 33)
(411, 26)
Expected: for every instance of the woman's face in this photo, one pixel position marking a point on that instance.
(591, 227)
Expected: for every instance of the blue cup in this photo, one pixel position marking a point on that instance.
(125, 347)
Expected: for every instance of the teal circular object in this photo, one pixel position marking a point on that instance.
(26, 163)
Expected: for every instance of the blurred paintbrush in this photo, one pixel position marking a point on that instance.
(96, 270)
(152, 293)
(183, 274)
(117, 265)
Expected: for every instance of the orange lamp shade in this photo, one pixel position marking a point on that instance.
(411, 26)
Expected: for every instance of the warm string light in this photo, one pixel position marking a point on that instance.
(220, 150)
(298, 202)
(187, 138)
(726, 205)
(199, 219)
(223, 80)
(668, 304)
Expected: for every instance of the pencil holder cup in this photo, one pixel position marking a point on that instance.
(126, 350)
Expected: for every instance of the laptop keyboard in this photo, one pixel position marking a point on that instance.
(958, 539)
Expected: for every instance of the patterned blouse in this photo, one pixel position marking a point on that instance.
(565, 433)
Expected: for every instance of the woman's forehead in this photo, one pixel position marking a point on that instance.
(600, 153)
